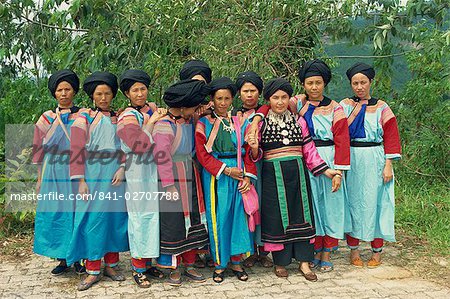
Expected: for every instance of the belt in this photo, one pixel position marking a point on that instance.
(364, 144)
(231, 156)
(103, 155)
(320, 143)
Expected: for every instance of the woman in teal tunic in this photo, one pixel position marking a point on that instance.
(100, 224)
(375, 142)
(51, 144)
(216, 143)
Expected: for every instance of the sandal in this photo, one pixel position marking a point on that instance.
(357, 262)
(141, 280)
(265, 261)
(176, 282)
(218, 277)
(314, 263)
(241, 275)
(153, 271)
(251, 261)
(373, 263)
(326, 266)
(114, 277)
(195, 277)
(310, 276)
(282, 273)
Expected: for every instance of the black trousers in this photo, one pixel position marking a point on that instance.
(302, 251)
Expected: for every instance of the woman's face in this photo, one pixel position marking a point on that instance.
(361, 86)
(222, 101)
(64, 94)
(279, 101)
(137, 94)
(249, 95)
(102, 97)
(314, 87)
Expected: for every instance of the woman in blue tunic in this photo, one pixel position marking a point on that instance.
(100, 224)
(375, 142)
(134, 129)
(51, 144)
(216, 146)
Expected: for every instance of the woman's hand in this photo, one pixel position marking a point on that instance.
(253, 141)
(38, 185)
(253, 128)
(118, 176)
(244, 185)
(336, 182)
(157, 115)
(388, 173)
(203, 108)
(83, 189)
(234, 173)
(330, 173)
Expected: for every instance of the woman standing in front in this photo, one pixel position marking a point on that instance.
(216, 146)
(134, 129)
(100, 224)
(375, 143)
(328, 127)
(51, 145)
(287, 221)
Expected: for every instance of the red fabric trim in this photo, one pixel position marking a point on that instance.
(341, 139)
(391, 137)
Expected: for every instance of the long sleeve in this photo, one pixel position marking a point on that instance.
(391, 136)
(78, 140)
(163, 137)
(312, 158)
(131, 133)
(341, 139)
(211, 164)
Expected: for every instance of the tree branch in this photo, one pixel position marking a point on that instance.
(53, 26)
(374, 56)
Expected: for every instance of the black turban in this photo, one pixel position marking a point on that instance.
(249, 77)
(100, 78)
(274, 85)
(130, 77)
(63, 75)
(315, 67)
(223, 83)
(186, 93)
(362, 68)
(195, 67)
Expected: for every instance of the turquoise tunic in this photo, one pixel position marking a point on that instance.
(331, 214)
(227, 222)
(100, 225)
(141, 195)
(54, 219)
(371, 201)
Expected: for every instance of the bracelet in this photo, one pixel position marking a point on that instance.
(338, 174)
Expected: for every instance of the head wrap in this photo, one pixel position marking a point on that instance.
(249, 77)
(130, 77)
(100, 78)
(186, 93)
(63, 75)
(276, 84)
(223, 83)
(362, 68)
(195, 67)
(315, 67)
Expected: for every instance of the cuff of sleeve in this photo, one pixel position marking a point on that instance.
(149, 136)
(76, 177)
(222, 168)
(251, 175)
(167, 183)
(393, 156)
(260, 153)
(122, 165)
(341, 167)
(320, 169)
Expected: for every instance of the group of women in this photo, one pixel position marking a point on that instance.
(318, 170)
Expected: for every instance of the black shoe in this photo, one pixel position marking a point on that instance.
(79, 269)
(60, 269)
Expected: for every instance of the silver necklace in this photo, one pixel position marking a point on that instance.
(228, 128)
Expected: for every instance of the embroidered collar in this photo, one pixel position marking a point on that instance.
(112, 113)
(371, 101)
(73, 109)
